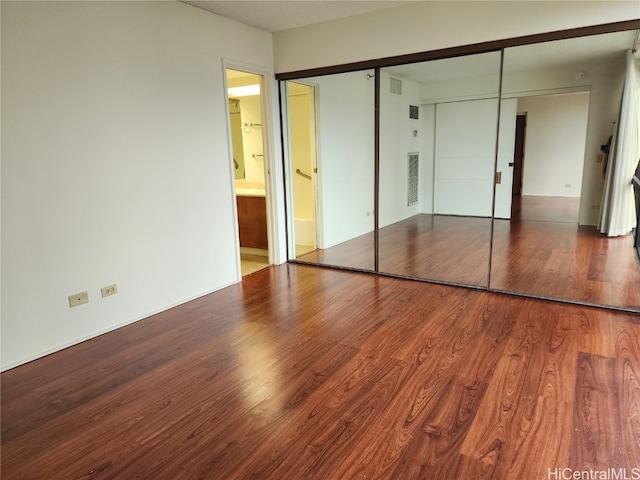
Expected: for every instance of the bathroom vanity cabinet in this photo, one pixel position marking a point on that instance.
(252, 221)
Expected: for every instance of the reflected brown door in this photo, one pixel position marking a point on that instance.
(518, 154)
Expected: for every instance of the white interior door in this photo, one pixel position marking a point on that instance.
(506, 146)
(464, 159)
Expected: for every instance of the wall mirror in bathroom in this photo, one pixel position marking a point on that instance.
(245, 123)
(437, 170)
(331, 169)
(235, 122)
(564, 96)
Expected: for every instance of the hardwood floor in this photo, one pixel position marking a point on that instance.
(541, 251)
(308, 373)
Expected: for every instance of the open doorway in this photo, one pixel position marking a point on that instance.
(548, 166)
(302, 144)
(518, 154)
(246, 126)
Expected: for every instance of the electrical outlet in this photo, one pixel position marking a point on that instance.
(78, 299)
(109, 290)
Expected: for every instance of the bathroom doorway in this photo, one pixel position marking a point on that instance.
(302, 144)
(247, 138)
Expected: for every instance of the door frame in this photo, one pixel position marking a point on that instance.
(272, 173)
(519, 162)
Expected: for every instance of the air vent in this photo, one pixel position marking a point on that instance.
(396, 86)
(412, 184)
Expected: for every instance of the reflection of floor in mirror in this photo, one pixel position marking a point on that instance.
(567, 261)
(437, 247)
(545, 209)
(542, 252)
(252, 263)
(550, 256)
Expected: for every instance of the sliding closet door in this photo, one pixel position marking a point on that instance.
(464, 157)
(438, 124)
(331, 165)
(566, 96)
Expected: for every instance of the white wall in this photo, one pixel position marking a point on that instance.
(396, 142)
(116, 164)
(345, 157)
(554, 149)
(423, 26)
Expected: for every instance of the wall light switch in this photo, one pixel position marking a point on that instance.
(78, 299)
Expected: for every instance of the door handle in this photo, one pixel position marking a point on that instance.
(511, 164)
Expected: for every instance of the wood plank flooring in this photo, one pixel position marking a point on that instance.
(301, 372)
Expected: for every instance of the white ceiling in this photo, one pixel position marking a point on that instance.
(278, 15)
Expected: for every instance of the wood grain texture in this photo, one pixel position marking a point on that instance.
(252, 222)
(597, 441)
(543, 251)
(307, 373)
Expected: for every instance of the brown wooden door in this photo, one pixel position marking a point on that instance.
(518, 155)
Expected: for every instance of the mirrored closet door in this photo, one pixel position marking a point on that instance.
(438, 123)
(564, 98)
(331, 169)
(494, 170)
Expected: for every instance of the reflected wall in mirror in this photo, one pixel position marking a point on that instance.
(567, 97)
(437, 171)
(331, 154)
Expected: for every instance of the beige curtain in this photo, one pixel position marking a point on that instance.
(618, 211)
